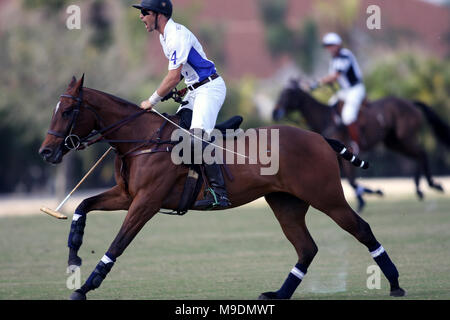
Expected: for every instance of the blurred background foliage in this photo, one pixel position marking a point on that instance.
(38, 56)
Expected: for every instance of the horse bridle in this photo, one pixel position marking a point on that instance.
(71, 141)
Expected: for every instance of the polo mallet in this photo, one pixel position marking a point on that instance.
(58, 215)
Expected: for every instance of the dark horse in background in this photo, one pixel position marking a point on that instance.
(308, 175)
(392, 121)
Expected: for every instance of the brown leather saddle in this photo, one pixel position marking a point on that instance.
(196, 177)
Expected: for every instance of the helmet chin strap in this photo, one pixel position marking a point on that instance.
(156, 21)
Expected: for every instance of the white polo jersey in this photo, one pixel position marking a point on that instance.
(181, 47)
(349, 72)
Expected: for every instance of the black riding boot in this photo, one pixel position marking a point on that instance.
(216, 197)
(215, 194)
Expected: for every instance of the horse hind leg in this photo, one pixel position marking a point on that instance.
(409, 148)
(290, 212)
(427, 173)
(351, 222)
(113, 199)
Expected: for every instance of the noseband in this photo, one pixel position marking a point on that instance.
(71, 141)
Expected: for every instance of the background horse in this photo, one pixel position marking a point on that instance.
(308, 175)
(392, 121)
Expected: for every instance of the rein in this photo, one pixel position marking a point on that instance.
(73, 142)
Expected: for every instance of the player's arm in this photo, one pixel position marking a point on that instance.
(169, 82)
(329, 78)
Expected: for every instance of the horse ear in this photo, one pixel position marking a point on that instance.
(293, 83)
(82, 81)
(73, 82)
(79, 84)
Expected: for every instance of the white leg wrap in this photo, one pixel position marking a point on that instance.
(106, 260)
(297, 273)
(377, 252)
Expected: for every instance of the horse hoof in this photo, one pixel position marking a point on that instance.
(77, 295)
(420, 195)
(268, 296)
(438, 187)
(380, 193)
(398, 293)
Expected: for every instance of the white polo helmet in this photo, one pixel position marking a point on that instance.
(331, 39)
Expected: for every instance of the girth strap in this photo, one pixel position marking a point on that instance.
(146, 151)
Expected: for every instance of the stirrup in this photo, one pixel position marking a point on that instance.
(215, 202)
(216, 199)
(213, 193)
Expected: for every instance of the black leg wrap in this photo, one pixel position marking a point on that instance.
(76, 233)
(386, 265)
(388, 268)
(97, 276)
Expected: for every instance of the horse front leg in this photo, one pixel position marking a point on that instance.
(115, 198)
(141, 210)
(350, 173)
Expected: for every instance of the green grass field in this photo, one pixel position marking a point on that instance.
(230, 255)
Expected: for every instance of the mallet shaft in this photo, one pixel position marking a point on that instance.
(85, 176)
(55, 212)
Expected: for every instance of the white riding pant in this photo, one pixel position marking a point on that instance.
(352, 97)
(205, 103)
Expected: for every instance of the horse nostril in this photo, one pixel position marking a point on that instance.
(45, 153)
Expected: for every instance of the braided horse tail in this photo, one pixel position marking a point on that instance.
(342, 150)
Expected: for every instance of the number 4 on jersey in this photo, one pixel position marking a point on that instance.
(174, 57)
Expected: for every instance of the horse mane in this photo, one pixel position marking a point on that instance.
(318, 115)
(317, 102)
(126, 103)
(115, 98)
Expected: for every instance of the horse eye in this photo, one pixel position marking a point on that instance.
(66, 114)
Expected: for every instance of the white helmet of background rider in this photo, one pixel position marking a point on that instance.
(331, 39)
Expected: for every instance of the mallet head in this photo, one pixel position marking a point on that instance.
(53, 213)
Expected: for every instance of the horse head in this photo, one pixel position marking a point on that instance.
(69, 122)
(290, 99)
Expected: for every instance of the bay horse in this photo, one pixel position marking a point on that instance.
(392, 121)
(308, 175)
